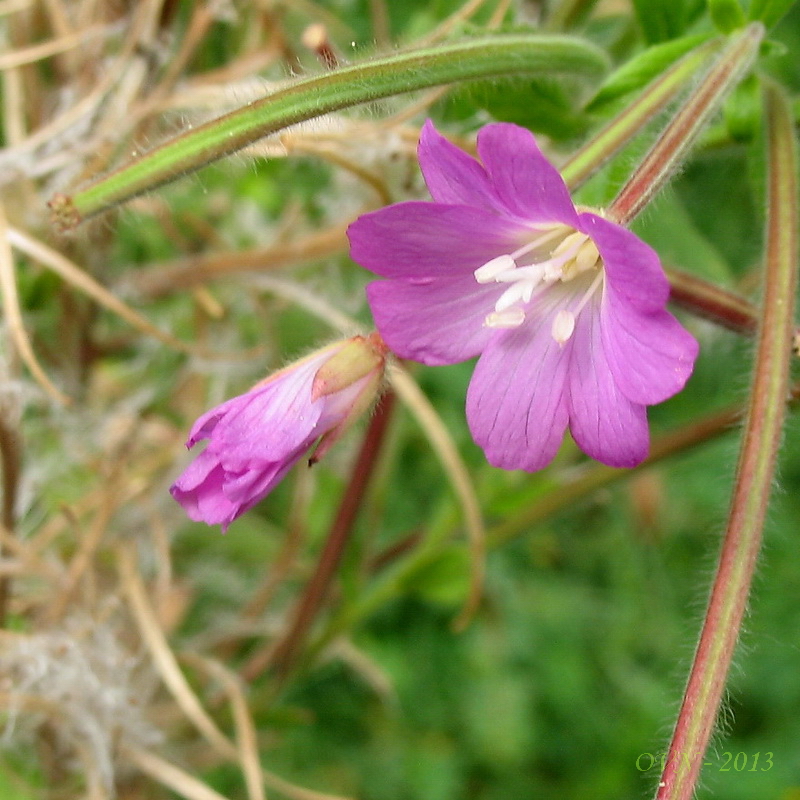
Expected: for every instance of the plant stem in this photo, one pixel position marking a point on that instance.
(706, 299)
(498, 55)
(11, 458)
(591, 156)
(762, 432)
(673, 145)
(286, 651)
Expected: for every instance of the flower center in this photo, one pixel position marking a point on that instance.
(556, 254)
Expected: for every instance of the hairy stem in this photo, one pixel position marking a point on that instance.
(494, 56)
(755, 470)
(591, 156)
(679, 136)
(285, 652)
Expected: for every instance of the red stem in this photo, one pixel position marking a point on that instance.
(285, 652)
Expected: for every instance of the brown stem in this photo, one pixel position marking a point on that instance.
(706, 299)
(675, 141)
(10, 451)
(283, 654)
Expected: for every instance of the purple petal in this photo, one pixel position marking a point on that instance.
(435, 322)
(420, 240)
(605, 424)
(650, 355)
(453, 176)
(251, 487)
(515, 403)
(200, 491)
(272, 422)
(526, 182)
(196, 473)
(632, 267)
(205, 424)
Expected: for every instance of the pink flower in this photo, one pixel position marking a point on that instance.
(254, 439)
(565, 308)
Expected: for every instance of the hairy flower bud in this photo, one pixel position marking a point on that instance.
(255, 438)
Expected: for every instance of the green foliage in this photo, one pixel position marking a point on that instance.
(642, 68)
(743, 110)
(662, 20)
(769, 12)
(727, 15)
(545, 106)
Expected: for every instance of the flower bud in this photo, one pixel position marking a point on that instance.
(255, 438)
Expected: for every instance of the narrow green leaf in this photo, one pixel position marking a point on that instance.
(493, 56)
(727, 15)
(643, 68)
(661, 20)
(769, 11)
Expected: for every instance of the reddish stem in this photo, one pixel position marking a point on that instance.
(755, 471)
(284, 653)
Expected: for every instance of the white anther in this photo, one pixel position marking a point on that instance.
(587, 256)
(511, 318)
(574, 239)
(563, 326)
(513, 294)
(491, 269)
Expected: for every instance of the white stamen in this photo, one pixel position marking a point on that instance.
(511, 295)
(587, 256)
(511, 318)
(491, 269)
(563, 326)
(574, 253)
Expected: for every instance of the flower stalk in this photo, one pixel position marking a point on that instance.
(673, 145)
(494, 56)
(712, 302)
(756, 467)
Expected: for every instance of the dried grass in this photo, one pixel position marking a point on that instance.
(95, 680)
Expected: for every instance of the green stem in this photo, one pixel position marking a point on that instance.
(674, 143)
(483, 57)
(755, 471)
